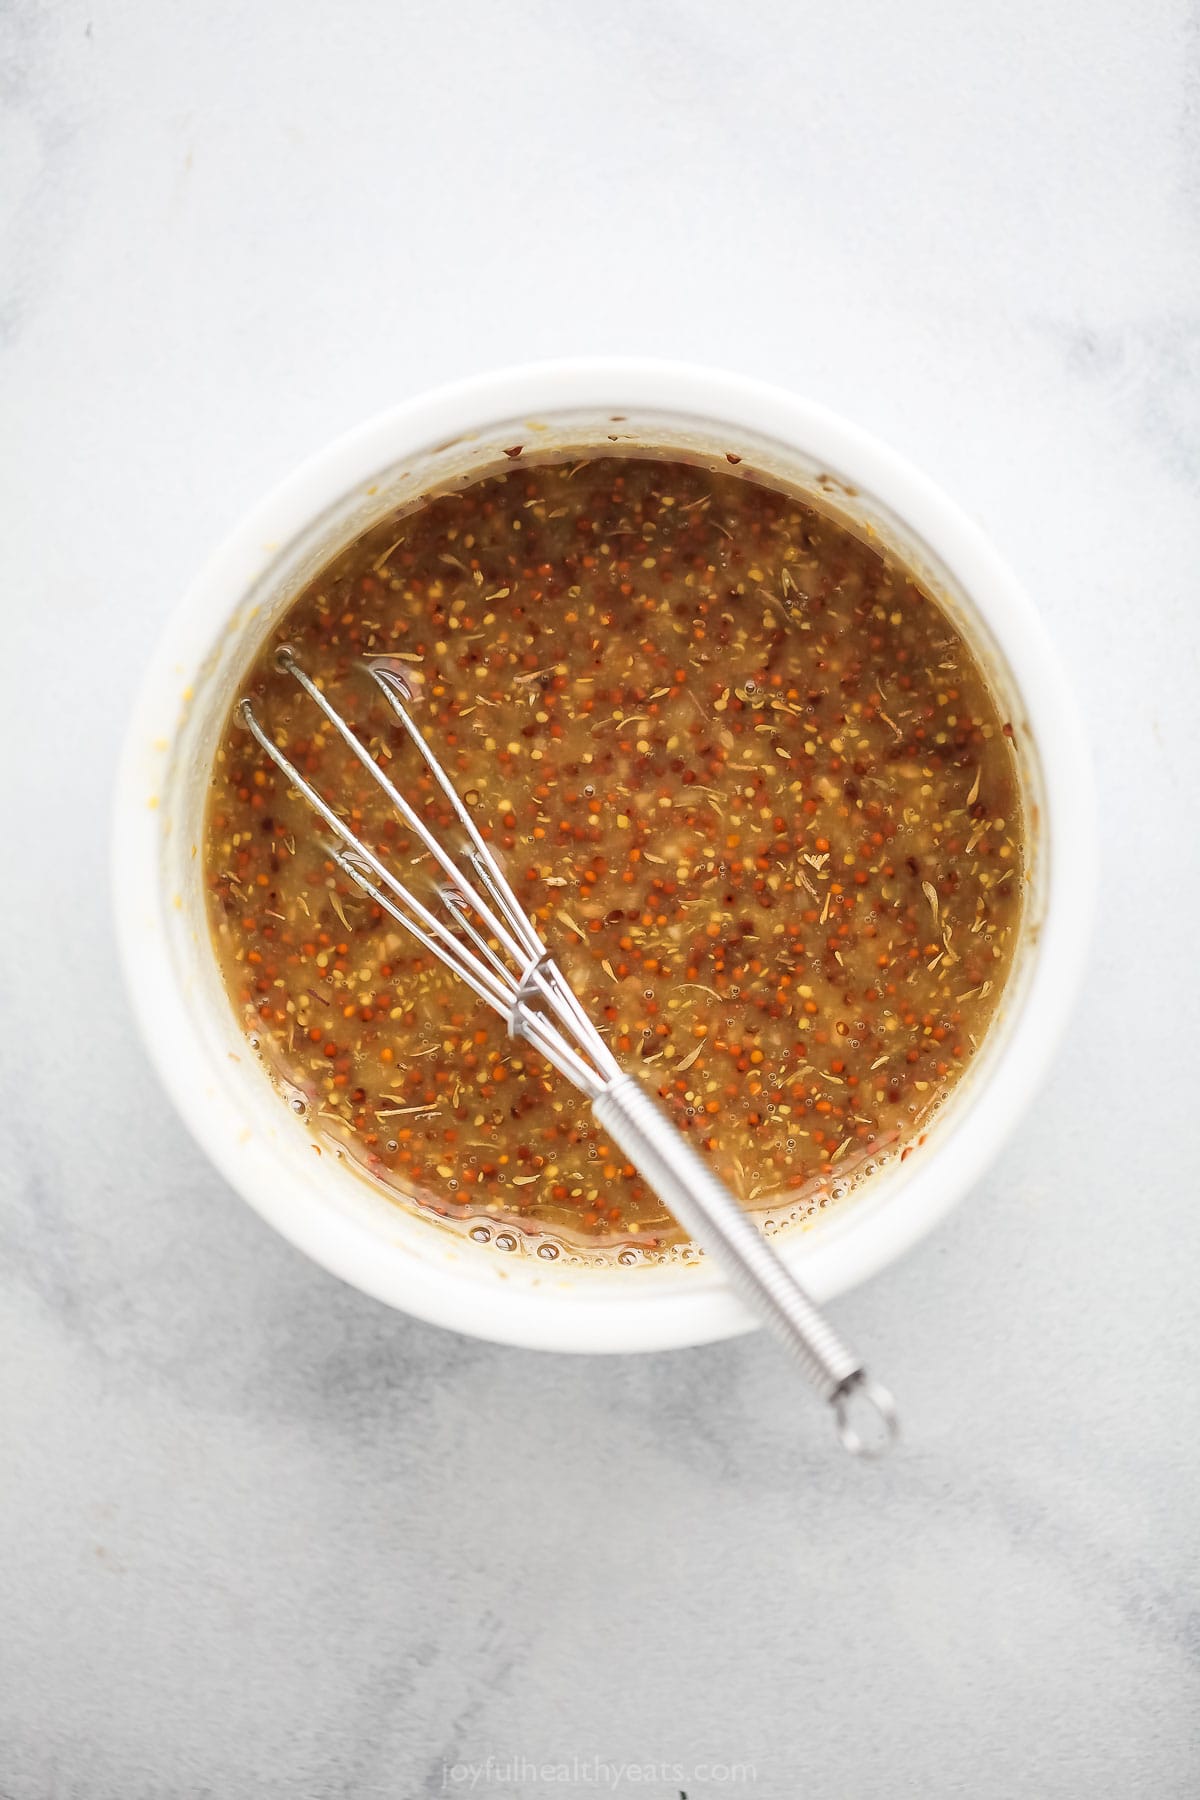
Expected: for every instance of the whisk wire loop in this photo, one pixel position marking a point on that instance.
(490, 943)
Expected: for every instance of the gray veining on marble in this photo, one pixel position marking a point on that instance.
(262, 1537)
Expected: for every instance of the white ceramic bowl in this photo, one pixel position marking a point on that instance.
(322, 1205)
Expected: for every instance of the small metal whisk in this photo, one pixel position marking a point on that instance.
(482, 933)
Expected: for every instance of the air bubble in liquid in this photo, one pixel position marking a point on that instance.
(481, 1234)
(548, 1252)
(506, 1241)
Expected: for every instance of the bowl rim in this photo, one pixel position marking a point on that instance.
(699, 1310)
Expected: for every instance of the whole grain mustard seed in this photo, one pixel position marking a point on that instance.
(746, 777)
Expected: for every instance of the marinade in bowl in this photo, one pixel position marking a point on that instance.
(748, 780)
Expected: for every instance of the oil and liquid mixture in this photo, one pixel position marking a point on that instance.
(747, 780)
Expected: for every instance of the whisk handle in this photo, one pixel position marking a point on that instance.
(635, 1120)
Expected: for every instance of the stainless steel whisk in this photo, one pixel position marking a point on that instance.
(484, 935)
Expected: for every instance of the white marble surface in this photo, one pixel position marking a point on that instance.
(262, 1537)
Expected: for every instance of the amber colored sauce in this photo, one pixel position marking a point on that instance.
(744, 774)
